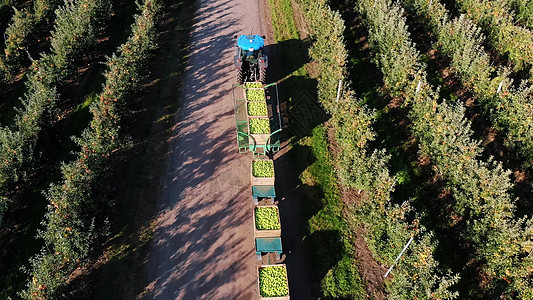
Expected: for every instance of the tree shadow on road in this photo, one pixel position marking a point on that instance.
(117, 270)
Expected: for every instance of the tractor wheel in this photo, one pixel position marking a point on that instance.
(240, 76)
(263, 75)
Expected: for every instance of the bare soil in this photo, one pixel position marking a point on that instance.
(371, 271)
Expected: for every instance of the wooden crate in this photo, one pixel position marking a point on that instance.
(267, 233)
(259, 288)
(261, 180)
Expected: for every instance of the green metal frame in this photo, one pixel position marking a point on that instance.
(241, 118)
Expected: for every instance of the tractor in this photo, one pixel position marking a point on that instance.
(250, 61)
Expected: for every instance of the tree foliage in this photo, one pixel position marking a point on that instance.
(73, 34)
(510, 40)
(481, 190)
(364, 169)
(509, 107)
(523, 12)
(21, 34)
(69, 222)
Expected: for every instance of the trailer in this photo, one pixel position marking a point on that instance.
(266, 138)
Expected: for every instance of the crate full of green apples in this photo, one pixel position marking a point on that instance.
(267, 222)
(254, 91)
(259, 125)
(257, 109)
(273, 283)
(263, 172)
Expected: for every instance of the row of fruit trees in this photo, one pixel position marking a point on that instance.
(70, 223)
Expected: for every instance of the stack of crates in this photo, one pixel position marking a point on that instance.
(267, 226)
(258, 126)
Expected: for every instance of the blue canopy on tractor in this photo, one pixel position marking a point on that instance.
(250, 41)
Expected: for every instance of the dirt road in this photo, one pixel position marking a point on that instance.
(203, 246)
